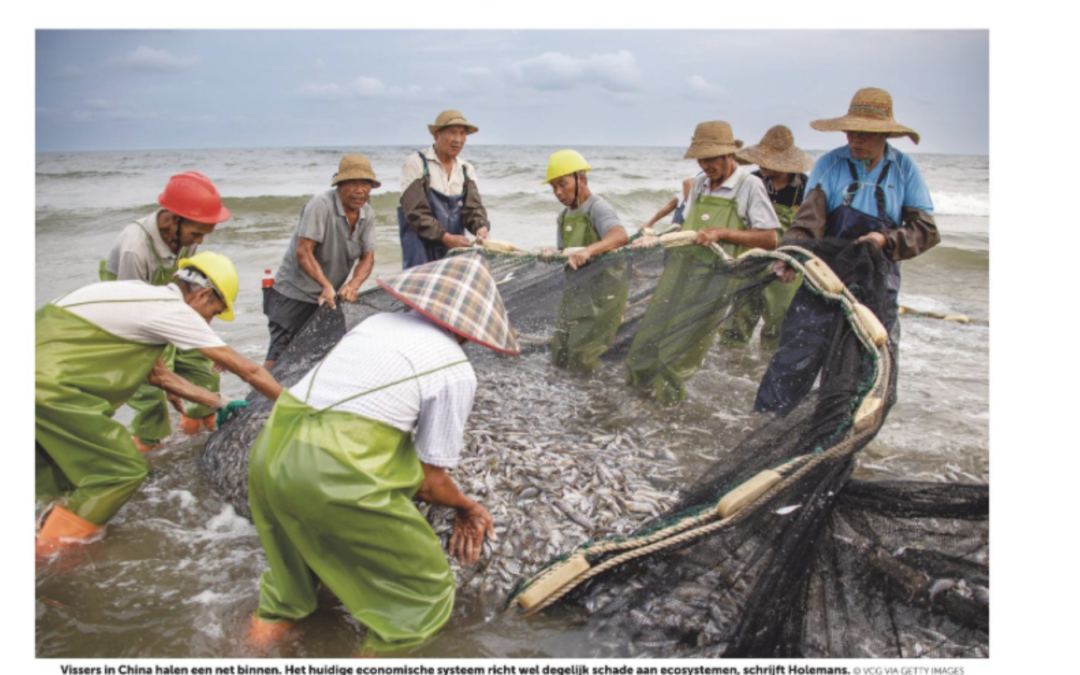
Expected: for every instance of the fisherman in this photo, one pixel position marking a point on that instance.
(439, 196)
(333, 473)
(335, 235)
(867, 191)
(677, 204)
(593, 303)
(95, 347)
(149, 250)
(781, 166)
(728, 207)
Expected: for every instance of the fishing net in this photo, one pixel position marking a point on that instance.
(639, 498)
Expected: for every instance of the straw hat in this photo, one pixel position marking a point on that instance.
(457, 293)
(712, 139)
(449, 118)
(870, 110)
(355, 167)
(777, 152)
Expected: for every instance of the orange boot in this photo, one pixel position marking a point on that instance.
(61, 528)
(267, 633)
(144, 447)
(193, 425)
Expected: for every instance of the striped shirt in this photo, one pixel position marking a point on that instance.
(386, 348)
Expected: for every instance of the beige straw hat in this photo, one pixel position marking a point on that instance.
(712, 139)
(355, 167)
(777, 152)
(871, 110)
(449, 118)
(459, 294)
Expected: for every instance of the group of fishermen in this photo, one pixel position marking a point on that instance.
(381, 419)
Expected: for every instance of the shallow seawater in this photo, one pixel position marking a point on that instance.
(177, 574)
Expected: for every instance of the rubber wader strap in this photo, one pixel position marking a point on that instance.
(315, 376)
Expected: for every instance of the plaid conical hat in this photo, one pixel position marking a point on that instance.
(870, 110)
(457, 293)
(777, 152)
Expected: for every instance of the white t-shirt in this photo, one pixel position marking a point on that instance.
(137, 311)
(386, 348)
(451, 184)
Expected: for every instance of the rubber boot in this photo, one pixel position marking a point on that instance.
(61, 528)
(210, 422)
(145, 447)
(267, 633)
(190, 425)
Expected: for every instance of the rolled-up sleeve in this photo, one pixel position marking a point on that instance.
(440, 429)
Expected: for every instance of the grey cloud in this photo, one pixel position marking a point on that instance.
(552, 71)
(702, 89)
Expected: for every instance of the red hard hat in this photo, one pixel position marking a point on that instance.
(191, 195)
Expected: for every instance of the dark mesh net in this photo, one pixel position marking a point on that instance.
(631, 410)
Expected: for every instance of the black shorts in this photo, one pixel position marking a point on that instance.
(286, 317)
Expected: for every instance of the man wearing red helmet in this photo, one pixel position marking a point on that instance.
(149, 250)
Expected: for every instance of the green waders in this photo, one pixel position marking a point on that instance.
(331, 496)
(770, 305)
(151, 423)
(677, 330)
(592, 304)
(82, 375)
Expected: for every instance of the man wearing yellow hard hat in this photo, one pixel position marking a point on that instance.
(593, 304)
(94, 348)
(149, 250)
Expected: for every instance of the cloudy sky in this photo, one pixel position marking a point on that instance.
(100, 90)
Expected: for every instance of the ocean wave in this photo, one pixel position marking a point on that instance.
(81, 174)
(961, 204)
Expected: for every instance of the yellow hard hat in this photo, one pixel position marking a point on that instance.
(564, 163)
(222, 273)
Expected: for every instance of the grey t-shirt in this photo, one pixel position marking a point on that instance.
(600, 213)
(323, 220)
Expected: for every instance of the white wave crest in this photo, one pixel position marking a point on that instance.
(961, 204)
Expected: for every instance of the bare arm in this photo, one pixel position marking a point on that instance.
(472, 520)
(662, 213)
(351, 289)
(305, 256)
(246, 369)
(614, 238)
(753, 238)
(163, 378)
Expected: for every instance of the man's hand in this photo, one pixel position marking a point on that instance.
(708, 236)
(578, 258)
(876, 238)
(783, 271)
(455, 241)
(647, 241)
(481, 235)
(327, 295)
(176, 402)
(548, 253)
(470, 526)
(349, 292)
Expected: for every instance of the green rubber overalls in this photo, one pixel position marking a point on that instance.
(331, 496)
(770, 304)
(151, 423)
(83, 373)
(679, 325)
(592, 304)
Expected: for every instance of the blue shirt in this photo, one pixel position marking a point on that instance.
(904, 186)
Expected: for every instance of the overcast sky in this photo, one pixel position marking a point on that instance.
(102, 90)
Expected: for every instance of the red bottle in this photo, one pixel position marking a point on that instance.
(268, 279)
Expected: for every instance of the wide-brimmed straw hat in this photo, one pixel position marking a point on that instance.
(457, 293)
(870, 110)
(777, 152)
(449, 118)
(712, 139)
(355, 167)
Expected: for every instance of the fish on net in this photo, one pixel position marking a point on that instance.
(613, 504)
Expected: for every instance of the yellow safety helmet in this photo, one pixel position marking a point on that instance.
(222, 273)
(564, 163)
